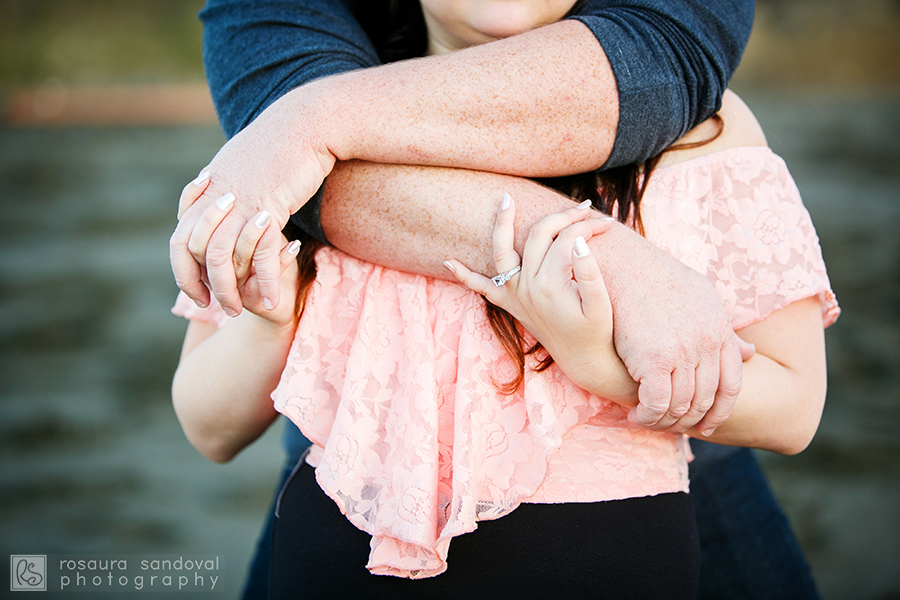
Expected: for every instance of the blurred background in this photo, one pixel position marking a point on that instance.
(104, 117)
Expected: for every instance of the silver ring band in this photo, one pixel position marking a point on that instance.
(502, 278)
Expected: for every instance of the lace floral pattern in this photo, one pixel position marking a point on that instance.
(391, 375)
(736, 216)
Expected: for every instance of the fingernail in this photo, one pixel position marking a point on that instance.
(200, 303)
(584, 205)
(449, 266)
(267, 304)
(203, 176)
(294, 247)
(229, 311)
(708, 432)
(607, 219)
(505, 203)
(263, 219)
(581, 247)
(225, 202)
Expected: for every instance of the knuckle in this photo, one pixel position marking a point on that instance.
(264, 256)
(655, 407)
(177, 243)
(500, 256)
(703, 403)
(730, 388)
(679, 411)
(196, 249)
(217, 256)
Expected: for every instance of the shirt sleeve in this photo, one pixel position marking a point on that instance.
(254, 52)
(672, 60)
(211, 315)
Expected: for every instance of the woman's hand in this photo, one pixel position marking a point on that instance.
(210, 219)
(559, 296)
(272, 166)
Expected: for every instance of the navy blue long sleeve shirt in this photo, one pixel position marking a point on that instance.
(672, 59)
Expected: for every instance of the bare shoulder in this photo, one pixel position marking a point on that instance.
(740, 129)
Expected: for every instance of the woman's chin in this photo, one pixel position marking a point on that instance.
(506, 19)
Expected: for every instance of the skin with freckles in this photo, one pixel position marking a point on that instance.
(456, 24)
(561, 298)
(221, 390)
(423, 228)
(457, 131)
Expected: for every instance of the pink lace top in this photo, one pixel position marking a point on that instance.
(392, 375)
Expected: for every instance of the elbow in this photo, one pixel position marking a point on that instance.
(214, 450)
(802, 427)
(793, 445)
(211, 444)
(207, 439)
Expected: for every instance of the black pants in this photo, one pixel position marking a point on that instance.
(636, 548)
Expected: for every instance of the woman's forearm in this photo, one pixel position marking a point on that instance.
(783, 394)
(221, 389)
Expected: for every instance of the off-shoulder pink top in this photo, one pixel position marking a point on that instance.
(392, 375)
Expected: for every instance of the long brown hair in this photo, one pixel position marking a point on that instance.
(396, 28)
(616, 191)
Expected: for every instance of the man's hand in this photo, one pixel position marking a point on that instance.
(673, 334)
(255, 182)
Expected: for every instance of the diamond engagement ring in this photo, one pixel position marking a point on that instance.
(502, 278)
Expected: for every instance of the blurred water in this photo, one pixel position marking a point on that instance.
(92, 457)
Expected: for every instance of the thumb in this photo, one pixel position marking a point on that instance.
(747, 349)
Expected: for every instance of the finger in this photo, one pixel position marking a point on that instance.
(220, 263)
(289, 254)
(557, 265)
(545, 231)
(267, 265)
(206, 225)
(731, 371)
(246, 245)
(555, 271)
(682, 394)
(476, 282)
(185, 268)
(747, 349)
(503, 239)
(654, 392)
(706, 380)
(595, 301)
(192, 191)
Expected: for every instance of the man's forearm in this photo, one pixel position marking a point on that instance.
(414, 218)
(478, 108)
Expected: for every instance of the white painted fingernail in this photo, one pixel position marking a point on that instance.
(267, 304)
(607, 219)
(263, 219)
(581, 247)
(584, 205)
(225, 202)
(449, 266)
(294, 247)
(203, 176)
(505, 204)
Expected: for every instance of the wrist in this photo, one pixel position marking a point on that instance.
(269, 326)
(608, 378)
